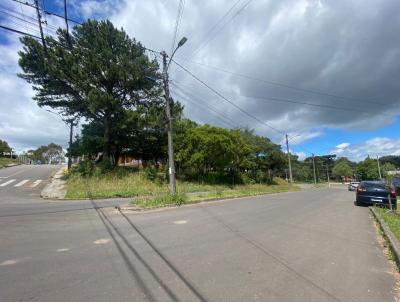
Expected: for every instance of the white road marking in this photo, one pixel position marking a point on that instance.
(180, 221)
(21, 183)
(101, 241)
(62, 250)
(35, 183)
(7, 182)
(1, 177)
(8, 262)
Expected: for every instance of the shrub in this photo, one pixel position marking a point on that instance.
(150, 173)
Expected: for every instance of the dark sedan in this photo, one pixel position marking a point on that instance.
(375, 192)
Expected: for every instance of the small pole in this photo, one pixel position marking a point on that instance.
(39, 16)
(290, 164)
(313, 163)
(327, 174)
(71, 127)
(379, 168)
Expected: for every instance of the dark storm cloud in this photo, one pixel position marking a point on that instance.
(345, 48)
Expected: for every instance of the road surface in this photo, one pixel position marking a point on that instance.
(313, 245)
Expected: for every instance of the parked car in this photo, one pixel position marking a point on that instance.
(353, 185)
(375, 192)
(396, 185)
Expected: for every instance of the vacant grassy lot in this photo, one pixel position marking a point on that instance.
(6, 161)
(391, 219)
(152, 193)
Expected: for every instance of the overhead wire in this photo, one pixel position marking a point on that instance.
(281, 84)
(181, 8)
(208, 107)
(212, 37)
(215, 25)
(227, 100)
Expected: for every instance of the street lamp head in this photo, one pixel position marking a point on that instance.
(182, 41)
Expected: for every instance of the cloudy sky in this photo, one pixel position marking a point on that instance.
(325, 72)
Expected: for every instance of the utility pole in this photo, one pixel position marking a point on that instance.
(71, 127)
(379, 168)
(39, 16)
(327, 173)
(290, 164)
(171, 162)
(313, 163)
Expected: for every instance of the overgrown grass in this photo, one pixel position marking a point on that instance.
(7, 161)
(149, 193)
(392, 220)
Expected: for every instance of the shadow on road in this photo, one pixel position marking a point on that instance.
(110, 227)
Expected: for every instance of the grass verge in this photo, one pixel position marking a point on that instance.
(392, 219)
(188, 198)
(150, 194)
(7, 161)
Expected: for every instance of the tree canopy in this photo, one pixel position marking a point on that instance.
(4, 148)
(97, 72)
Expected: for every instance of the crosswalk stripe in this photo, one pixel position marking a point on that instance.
(35, 183)
(20, 184)
(7, 182)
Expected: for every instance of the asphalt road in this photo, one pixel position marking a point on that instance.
(313, 245)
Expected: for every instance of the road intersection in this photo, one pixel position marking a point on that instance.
(313, 245)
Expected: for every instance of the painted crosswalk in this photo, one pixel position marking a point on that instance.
(7, 182)
(19, 183)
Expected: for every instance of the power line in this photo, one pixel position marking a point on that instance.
(46, 11)
(221, 28)
(19, 32)
(280, 84)
(227, 100)
(181, 7)
(208, 107)
(203, 107)
(218, 23)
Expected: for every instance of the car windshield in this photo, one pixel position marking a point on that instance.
(375, 185)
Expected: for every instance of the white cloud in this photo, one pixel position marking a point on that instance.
(378, 146)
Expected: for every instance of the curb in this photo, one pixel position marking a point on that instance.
(394, 244)
(56, 188)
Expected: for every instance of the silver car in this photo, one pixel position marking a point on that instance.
(353, 185)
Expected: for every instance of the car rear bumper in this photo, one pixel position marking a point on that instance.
(370, 200)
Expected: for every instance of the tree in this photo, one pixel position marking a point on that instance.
(4, 148)
(393, 159)
(52, 153)
(386, 167)
(367, 169)
(206, 148)
(341, 169)
(98, 73)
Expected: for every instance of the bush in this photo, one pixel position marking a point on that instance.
(84, 168)
(150, 173)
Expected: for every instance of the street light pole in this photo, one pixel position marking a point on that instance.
(171, 160)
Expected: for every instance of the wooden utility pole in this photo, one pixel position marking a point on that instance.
(313, 163)
(290, 164)
(39, 16)
(171, 161)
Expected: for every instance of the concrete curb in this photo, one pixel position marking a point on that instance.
(56, 188)
(388, 234)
